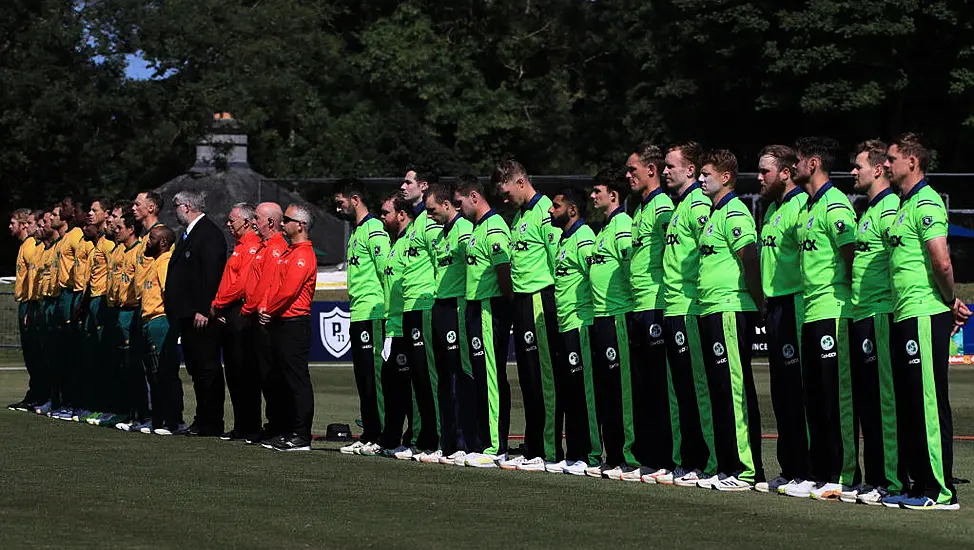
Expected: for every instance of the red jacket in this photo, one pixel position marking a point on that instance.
(236, 272)
(293, 289)
(262, 271)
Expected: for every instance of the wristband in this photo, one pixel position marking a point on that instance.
(950, 301)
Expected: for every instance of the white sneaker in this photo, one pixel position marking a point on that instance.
(535, 464)
(418, 456)
(850, 495)
(708, 482)
(873, 497)
(352, 449)
(828, 491)
(614, 473)
(370, 449)
(480, 460)
(800, 490)
(732, 484)
(557, 467)
(512, 463)
(657, 476)
(404, 453)
(576, 468)
(125, 426)
(432, 458)
(146, 429)
(456, 459)
(688, 479)
(597, 471)
(634, 474)
(762, 487)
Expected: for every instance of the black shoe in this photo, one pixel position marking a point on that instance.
(16, 406)
(293, 442)
(195, 431)
(272, 442)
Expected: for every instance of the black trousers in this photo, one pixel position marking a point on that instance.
(613, 391)
(29, 322)
(920, 357)
(291, 344)
(161, 357)
(488, 328)
(418, 327)
(455, 392)
(650, 390)
(397, 396)
(693, 419)
(829, 406)
(367, 365)
(785, 360)
(201, 351)
(576, 397)
(240, 370)
(535, 335)
(726, 339)
(134, 398)
(270, 377)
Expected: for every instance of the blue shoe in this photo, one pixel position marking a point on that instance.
(926, 503)
(43, 409)
(894, 501)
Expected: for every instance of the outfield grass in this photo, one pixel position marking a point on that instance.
(70, 485)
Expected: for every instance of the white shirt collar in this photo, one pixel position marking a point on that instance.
(192, 224)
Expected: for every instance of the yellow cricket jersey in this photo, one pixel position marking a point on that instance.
(82, 265)
(98, 263)
(126, 292)
(36, 268)
(48, 272)
(142, 262)
(154, 286)
(114, 267)
(67, 260)
(23, 287)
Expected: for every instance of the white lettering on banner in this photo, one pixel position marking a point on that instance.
(333, 329)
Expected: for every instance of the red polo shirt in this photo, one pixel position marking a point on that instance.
(235, 274)
(293, 289)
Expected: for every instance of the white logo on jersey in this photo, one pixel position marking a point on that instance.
(610, 354)
(573, 358)
(718, 349)
(417, 334)
(401, 359)
(528, 337)
(827, 342)
(364, 337)
(867, 346)
(912, 348)
(451, 337)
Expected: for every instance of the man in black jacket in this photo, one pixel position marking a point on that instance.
(194, 276)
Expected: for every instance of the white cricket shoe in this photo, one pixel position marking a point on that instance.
(614, 473)
(597, 471)
(873, 497)
(126, 426)
(850, 495)
(577, 468)
(482, 460)
(370, 449)
(352, 449)
(404, 453)
(512, 463)
(536, 464)
(801, 489)
(432, 458)
(657, 476)
(418, 456)
(828, 491)
(708, 482)
(455, 459)
(688, 479)
(557, 467)
(634, 474)
(731, 484)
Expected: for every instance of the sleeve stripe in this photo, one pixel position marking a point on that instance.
(888, 213)
(926, 203)
(663, 209)
(837, 206)
(735, 214)
(377, 234)
(697, 203)
(583, 243)
(624, 234)
(463, 238)
(433, 228)
(495, 231)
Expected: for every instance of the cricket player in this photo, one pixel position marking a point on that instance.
(22, 227)
(488, 318)
(826, 232)
(782, 285)
(574, 385)
(134, 396)
(925, 313)
(99, 314)
(533, 245)
(67, 222)
(691, 418)
(368, 248)
(48, 274)
(730, 296)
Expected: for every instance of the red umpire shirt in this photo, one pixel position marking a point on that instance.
(236, 273)
(262, 272)
(293, 289)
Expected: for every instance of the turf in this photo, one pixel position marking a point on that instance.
(65, 484)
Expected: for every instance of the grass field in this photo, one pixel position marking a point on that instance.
(69, 485)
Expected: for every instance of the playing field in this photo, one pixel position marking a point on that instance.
(64, 484)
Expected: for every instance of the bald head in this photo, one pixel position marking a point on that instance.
(268, 220)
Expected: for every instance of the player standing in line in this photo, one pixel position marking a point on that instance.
(488, 319)
(533, 246)
(49, 275)
(925, 314)
(652, 387)
(36, 326)
(782, 285)
(67, 222)
(85, 391)
(574, 386)
(730, 297)
(872, 316)
(134, 394)
(20, 229)
(690, 413)
(826, 232)
(419, 287)
(98, 319)
(368, 248)
(612, 300)
(455, 390)
(45, 280)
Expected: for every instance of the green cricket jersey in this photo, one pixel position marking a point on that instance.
(573, 291)
(392, 283)
(681, 258)
(649, 224)
(451, 258)
(722, 286)
(489, 246)
(611, 291)
(533, 245)
(872, 286)
(780, 252)
(418, 274)
(921, 218)
(368, 247)
(825, 225)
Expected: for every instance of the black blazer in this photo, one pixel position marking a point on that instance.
(195, 269)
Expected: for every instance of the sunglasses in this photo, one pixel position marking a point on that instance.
(289, 220)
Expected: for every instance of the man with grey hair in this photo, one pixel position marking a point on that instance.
(243, 379)
(195, 270)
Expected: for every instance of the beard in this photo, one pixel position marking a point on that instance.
(561, 222)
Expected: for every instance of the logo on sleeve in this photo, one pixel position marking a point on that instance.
(927, 221)
(840, 226)
(377, 250)
(702, 220)
(496, 248)
(736, 232)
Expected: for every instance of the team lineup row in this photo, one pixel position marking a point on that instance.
(633, 344)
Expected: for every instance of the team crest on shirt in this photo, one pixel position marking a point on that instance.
(867, 346)
(777, 220)
(912, 348)
(561, 258)
(702, 220)
(451, 337)
(840, 226)
(865, 226)
(476, 343)
(827, 342)
(573, 358)
(811, 220)
(610, 354)
(718, 349)
(679, 338)
(355, 243)
(377, 250)
(602, 243)
(473, 241)
(412, 235)
(736, 232)
(301, 262)
(496, 248)
(927, 221)
(364, 337)
(524, 227)
(902, 217)
(788, 351)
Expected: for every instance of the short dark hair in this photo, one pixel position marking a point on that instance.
(650, 154)
(351, 187)
(613, 180)
(106, 204)
(692, 152)
(824, 148)
(875, 151)
(38, 214)
(439, 192)
(70, 213)
(784, 156)
(723, 161)
(153, 197)
(468, 183)
(424, 173)
(124, 206)
(506, 170)
(128, 219)
(914, 145)
(402, 205)
(575, 196)
(167, 234)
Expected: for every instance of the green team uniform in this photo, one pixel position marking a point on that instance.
(573, 298)
(392, 285)
(450, 255)
(533, 245)
(419, 278)
(611, 266)
(781, 281)
(368, 251)
(690, 411)
(921, 333)
(826, 224)
(726, 321)
(489, 246)
(649, 224)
